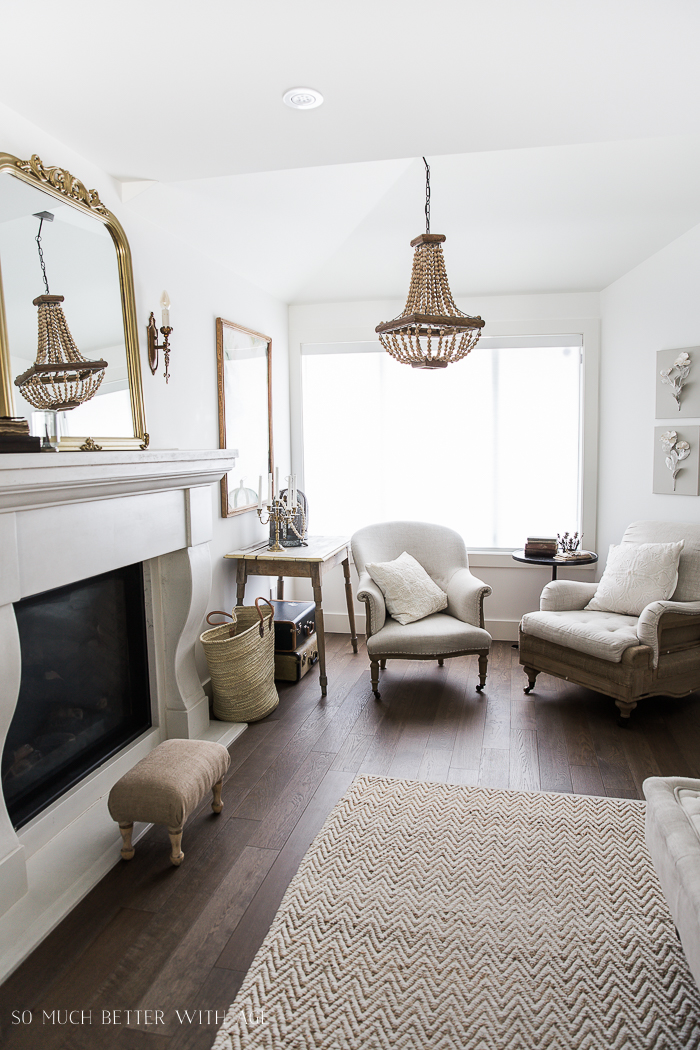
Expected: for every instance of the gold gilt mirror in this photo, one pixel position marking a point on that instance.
(87, 261)
(245, 413)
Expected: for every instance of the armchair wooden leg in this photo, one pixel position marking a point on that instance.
(625, 707)
(441, 662)
(531, 678)
(374, 674)
(382, 665)
(483, 664)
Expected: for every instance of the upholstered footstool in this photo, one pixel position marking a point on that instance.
(673, 838)
(166, 786)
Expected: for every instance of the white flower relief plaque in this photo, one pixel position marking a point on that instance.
(678, 383)
(676, 461)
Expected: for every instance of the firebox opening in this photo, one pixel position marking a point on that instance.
(84, 693)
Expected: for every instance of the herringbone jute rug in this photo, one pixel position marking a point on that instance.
(430, 916)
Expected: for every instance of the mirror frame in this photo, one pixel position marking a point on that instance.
(226, 511)
(59, 183)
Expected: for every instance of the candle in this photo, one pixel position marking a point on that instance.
(165, 305)
(289, 491)
(260, 492)
(277, 482)
(294, 491)
(269, 490)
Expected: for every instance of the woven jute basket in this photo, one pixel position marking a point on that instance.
(241, 658)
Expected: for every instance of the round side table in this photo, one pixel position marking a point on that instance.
(556, 563)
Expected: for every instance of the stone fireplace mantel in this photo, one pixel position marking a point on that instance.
(65, 517)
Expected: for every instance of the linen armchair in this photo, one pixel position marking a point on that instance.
(458, 631)
(625, 657)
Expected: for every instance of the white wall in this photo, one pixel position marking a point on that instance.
(653, 307)
(516, 588)
(182, 414)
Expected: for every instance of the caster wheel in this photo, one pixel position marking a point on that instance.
(376, 694)
(528, 690)
(479, 688)
(624, 723)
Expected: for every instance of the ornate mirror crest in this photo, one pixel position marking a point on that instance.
(60, 184)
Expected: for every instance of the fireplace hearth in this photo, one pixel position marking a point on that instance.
(84, 692)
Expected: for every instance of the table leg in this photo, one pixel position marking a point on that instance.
(280, 588)
(241, 577)
(351, 607)
(316, 581)
(554, 572)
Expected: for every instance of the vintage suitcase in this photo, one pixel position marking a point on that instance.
(293, 666)
(294, 621)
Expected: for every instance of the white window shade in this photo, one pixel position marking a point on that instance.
(489, 446)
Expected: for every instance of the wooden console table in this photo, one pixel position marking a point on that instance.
(321, 554)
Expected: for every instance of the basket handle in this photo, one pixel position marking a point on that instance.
(220, 612)
(261, 628)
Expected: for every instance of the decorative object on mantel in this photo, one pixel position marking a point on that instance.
(152, 334)
(15, 436)
(61, 378)
(285, 512)
(431, 332)
(677, 384)
(90, 446)
(676, 461)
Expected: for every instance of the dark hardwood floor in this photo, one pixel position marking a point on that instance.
(151, 937)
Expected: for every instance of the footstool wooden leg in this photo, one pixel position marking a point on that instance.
(127, 849)
(216, 803)
(176, 854)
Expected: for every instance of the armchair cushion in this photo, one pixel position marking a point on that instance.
(605, 635)
(635, 575)
(409, 593)
(436, 635)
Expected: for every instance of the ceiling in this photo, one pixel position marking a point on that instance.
(564, 139)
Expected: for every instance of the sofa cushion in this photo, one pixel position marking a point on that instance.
(637, 574)
(408, 590)
(601, 634)
(436, 635)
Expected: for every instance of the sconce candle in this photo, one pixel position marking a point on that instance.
(152, 333)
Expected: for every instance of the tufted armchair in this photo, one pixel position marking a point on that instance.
(458, 631)
(625, 657)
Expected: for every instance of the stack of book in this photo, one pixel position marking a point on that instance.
(15, 436)
(540, 547)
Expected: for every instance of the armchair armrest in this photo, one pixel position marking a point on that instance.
(566, 595)
(465, 597)
(651, 622)
(375, 607)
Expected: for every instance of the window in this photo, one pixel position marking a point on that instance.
(490, 446)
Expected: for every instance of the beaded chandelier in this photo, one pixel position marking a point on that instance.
(61, 378)
(431, 332)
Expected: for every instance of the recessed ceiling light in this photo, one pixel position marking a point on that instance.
(302, 98)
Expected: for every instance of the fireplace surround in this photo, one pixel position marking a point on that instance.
(66, 518)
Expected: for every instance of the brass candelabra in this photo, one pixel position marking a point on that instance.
(280, 513)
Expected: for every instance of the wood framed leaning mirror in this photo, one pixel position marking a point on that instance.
(87, 261)
(244, 372)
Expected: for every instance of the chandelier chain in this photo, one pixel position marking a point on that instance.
(427, 196)
(41, 257)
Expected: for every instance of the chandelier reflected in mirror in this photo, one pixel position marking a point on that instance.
(431, 332)
(60, 378)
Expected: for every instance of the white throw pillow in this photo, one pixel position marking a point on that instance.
(637, 574)
(409, 593)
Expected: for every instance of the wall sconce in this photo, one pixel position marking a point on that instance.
(152, 331)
